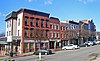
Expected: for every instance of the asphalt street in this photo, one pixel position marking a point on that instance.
(81, 54)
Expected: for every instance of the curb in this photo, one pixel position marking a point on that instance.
(92, 57)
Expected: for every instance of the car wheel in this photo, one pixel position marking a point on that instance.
(73, 48)
(65, 49)
(46, 53)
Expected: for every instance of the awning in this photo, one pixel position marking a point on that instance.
(3, 42)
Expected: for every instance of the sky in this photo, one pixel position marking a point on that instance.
(62, 9)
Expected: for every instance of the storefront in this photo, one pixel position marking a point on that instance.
(28, 46)
(55, 43)
(3, 48)
(43, 44)
(64, 42)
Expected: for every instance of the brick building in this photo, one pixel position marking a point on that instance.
(64, 34)
(54, 33)
(28, 30)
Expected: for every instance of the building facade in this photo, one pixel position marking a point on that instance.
(55, 41)
(91, 29)
(29, 29)
(64, 34)
(73, 32)
(84, 31)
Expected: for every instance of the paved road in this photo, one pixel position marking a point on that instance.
(65, 55)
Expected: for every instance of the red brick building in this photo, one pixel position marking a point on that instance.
(55, 41)
(32, 28)
(64, 34)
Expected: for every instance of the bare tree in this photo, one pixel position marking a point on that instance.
(40, 35)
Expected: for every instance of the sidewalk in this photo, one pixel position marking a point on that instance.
(19, 55)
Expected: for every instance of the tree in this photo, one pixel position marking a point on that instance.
(40, 35)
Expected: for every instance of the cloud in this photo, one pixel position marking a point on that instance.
(48, 2)
(86, 1)
(29, 0)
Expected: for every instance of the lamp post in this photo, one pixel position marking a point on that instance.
(16, 47)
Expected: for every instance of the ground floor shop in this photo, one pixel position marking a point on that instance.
(64, 42)
(55, 43)
(32, 45)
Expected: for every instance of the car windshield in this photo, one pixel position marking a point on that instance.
(42, 50)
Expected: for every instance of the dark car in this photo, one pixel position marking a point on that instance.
(43, 52)
(83, 45)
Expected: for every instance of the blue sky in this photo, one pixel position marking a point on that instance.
(63, 9)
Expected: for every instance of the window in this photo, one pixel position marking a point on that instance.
(37, 22)
(26, 33)
(46, 23)
(31, 32)
(61, 28)
(54, 35)
(18, 32)
(57, 27)
(31, 21)
(26, 21)
(42, 22)
(7, 24)
(50, 26)
(7, 33)
(64, 35)
(61, 35)
(18, 22)
(46, 33)
(42, 33)
(50, 35)
(54, 26)
(10, 23)
(57, 35)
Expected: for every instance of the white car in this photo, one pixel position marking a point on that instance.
(70, 46)
(89, 43)
(97, 42)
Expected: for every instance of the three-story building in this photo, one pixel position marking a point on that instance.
(28, 30)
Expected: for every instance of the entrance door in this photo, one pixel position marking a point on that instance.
(51, 44)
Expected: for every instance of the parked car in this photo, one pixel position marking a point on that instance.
(97, 42)
(83, 45)
(94, 43)
(70, 46)
(43, 52)
(89, 43)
